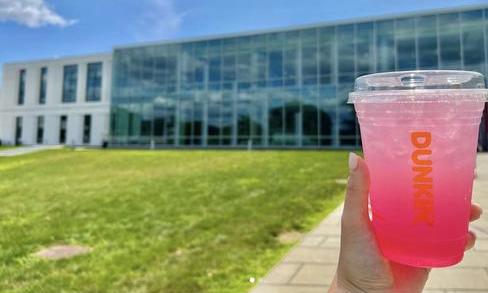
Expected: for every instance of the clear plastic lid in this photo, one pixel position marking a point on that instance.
(405, 86)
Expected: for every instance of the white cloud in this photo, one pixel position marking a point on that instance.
(32, 13)
(159, 19)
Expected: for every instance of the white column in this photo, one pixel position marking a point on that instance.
(99, 128)
(106, 81)
(74, 129)
(54, 85)
(32, 86)
(81, 86)
(51, 129)
(28, 129)
(7, 128)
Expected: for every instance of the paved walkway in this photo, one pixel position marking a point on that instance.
(310, 266)
(17, 151)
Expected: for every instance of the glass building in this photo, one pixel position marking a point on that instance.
(277, 89)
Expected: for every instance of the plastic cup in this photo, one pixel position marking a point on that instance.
(419, 132)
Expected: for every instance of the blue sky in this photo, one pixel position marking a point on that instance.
(33, 29)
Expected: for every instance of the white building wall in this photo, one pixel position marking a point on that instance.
(54, 108)
(28, 125)
(51, 130)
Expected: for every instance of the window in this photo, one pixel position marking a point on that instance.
(292, 117)
(227, 125)
(94, 82)
(86, 129)
(472, 38)
(191, 122)
(385, 46)
(70, 82)
(214, 122)
(164, 121)
(276, 121)
(260, 73)
(244, 67)
(345, 51)
(450, 43)
(215, 69)
(309, 56)
(310, 123)
(309, 65)
(365, 48)
(62, 129)
(200, 62)
(18, 130)
(229, 66)
(427, 42)
(43, 86)
(40, 129)
(405, 44)
(21, 97)
(275, 67)
(326, 43)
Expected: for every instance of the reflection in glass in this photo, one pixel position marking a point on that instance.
(365, 48)
(473, 40)
(214, 120)
(292, 119)
(275, 121)
(290, 71)
(283, 88)
(164, 112)
(43, 86)
(243, 122)
(310, 120)
(309, 64)
(385, 48)
(348, 126)
(227, 121)
(70, 82)
(450, 44)
(405, 44)
(94, 82)
(345, 50)
(427, 42)
(275, 72)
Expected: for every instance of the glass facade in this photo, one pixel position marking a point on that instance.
(21, 93)
(63, 125)
(94, 82)
(43, 86)
(40, 130)
(18, 130)
(278, 89)
(86, 129)
(70, 83)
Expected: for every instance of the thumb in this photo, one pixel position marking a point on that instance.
(356, 201)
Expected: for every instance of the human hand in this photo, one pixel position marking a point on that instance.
(362, 268)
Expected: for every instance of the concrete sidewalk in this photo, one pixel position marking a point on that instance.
(310, 266)
(17, 151)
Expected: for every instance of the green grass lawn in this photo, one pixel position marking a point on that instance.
(158, 221)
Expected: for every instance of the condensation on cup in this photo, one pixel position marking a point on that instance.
(419, 132)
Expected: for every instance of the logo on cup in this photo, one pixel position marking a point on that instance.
(423, 197)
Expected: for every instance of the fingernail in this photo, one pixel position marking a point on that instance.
(353, 161)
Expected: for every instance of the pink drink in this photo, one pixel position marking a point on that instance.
(420, 147)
